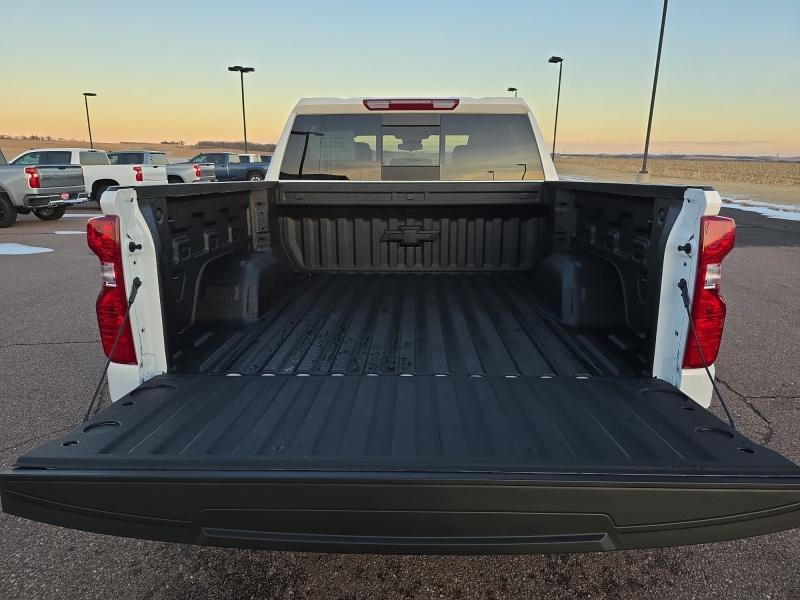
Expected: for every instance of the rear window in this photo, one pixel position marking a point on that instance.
(158, 158)
(126, 158)
(217, 158)
(45, 157)
(443, 147)
(93, 158)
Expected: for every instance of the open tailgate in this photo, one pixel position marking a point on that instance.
(407, 464)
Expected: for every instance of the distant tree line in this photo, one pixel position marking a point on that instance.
(36, 138)
(236, 145)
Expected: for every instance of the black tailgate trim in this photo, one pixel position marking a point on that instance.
(402, 513)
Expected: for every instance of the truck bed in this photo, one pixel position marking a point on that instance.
(447, 424)
(405, 323)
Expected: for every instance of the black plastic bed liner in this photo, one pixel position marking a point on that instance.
(421, 324)
(492, 424)
(422, 464)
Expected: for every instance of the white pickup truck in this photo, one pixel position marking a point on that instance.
(412, 337)
(98, 172)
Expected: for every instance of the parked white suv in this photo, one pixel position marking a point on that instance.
(98, 172)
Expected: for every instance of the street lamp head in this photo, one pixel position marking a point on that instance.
(511, 89)
(235, 68)
(241, 69)
(555, 59)
(89, 94)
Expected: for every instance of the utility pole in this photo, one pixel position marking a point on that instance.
(88, 121)
(242, 70)
(560, 62)
(653, 96)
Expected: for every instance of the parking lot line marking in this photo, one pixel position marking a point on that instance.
(16, 249)
(69, 232)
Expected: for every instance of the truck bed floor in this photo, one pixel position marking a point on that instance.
(421, 324)
(451, 423)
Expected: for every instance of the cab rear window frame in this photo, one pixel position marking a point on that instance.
(313, 126)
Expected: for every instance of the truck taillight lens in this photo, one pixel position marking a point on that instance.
(33, 177)
(138, 174)
(411, 104)
(102, 235)
(717, 238)
(198, 171)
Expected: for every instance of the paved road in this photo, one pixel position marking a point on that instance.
(50, 359)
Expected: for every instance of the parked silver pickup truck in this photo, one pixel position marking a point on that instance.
(184, 172)
(46, 191)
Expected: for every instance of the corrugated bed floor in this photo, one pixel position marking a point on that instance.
(391, 422)
(422, 324)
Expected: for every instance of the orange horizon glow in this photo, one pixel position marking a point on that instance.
(729, 84)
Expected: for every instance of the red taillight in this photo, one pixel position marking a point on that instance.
(138, 175)
(33, 177)
(102, 235)
(411, 104)
(198, 171)
(717, 237)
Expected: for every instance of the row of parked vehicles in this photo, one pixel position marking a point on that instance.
(46, 181)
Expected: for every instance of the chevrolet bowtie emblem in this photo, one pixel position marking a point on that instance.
(409, 235)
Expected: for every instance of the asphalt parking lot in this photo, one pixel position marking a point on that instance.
(50, 359)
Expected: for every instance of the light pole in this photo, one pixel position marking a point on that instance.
(88, 121)
(560, 61)
(655, 84)
(242, 70)
(512, 89)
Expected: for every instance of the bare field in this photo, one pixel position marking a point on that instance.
(764, 181)
(12, 148)
(739, 171)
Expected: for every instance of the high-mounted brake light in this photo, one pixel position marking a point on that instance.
(102, 235)
(33, 177)
(198, 170)
(411, 104)
(138, 174)
(717, 238)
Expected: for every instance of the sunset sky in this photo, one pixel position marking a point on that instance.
(730, 71)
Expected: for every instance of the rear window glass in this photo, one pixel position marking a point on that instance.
(333, 147)
(214, 157)
(45, 157)
(93, 158)
(126, 158)
(461, 147)
(29, 158)
(485, 147)
(410, 146)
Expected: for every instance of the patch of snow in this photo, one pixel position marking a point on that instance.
(17, 249)
(787, 212)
